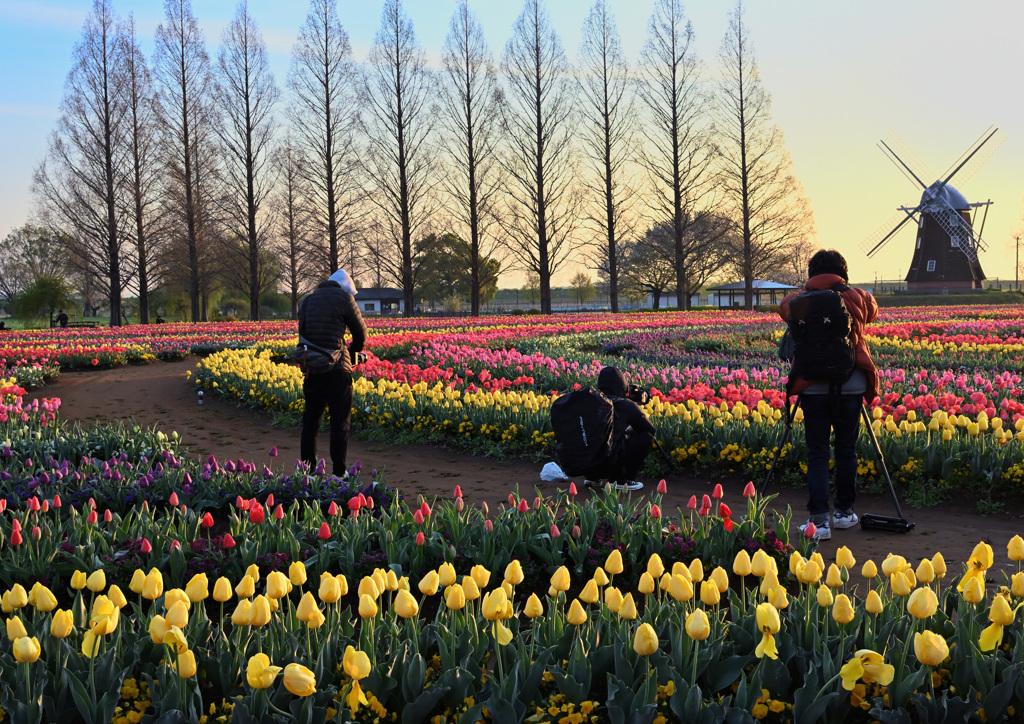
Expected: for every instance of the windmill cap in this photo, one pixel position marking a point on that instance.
(952, 197)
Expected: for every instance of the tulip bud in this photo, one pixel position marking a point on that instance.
(922, 603)
(534, 608)
(613, 564)
(873, 603)
(709, 594)
(455, 598)
(698, 627)
(627, 609)
(741, 564)
(560, 581)
(405, 605)
(645, 642)
(842, 609)
(930, 648)
(577, 616)
(299, 680)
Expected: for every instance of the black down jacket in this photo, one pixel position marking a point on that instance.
(325, 314)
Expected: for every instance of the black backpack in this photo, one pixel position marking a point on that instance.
(583, 422)
(821, 328)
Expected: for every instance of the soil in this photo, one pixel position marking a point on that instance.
(159, 394)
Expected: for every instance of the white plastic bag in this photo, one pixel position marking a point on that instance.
(551, 473)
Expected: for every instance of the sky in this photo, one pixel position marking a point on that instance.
(841, 75)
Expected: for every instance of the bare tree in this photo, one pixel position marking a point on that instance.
(679, 152)
(608, 136)
(323, 116)
(182, 69)
(649, 267)
(246, 95)
(30, 252)
(396, 94)
(142, 171)
(543, 201)
(293, 221)
(470, 119)
(79, 184)
(764, 198)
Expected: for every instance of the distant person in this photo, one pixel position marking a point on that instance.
(324, 316)
(62, 319)
(3, 327)
(159, 319)
(833, 406)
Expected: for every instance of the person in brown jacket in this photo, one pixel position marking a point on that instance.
(826, 412)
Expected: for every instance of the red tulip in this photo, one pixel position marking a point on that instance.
(256, 514)
(458, 491)
(278, 512)
(704, 511)
(273, 452)
(325, 532)
(228, 541)
(420, 538)
(749, 491)
(46, 506)
(173, 500)
(207, 521)
(724, 510)
(33, 504)
(332, 509)
(92, 503)
(536, 503)
(425, 509)
(270, 500)
(705, 501)
(107, 516)
(489, 526)
(728, 524)
(56, 501)
(16, 538)
(184, 509)
(146, 546)
(239, 503)
(523, 506)
(175, 545)
(555, 533)
(511, 499)
(692, 505)
(92, 517)
(37, 533)
(16, 524)
(717, 493)
(655, 512)
(810, 530)
(662, 487)
(368, 502)
(572, 489)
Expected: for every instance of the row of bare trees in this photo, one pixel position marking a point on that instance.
(191, 174)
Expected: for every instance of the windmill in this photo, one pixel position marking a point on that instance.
(946, 252)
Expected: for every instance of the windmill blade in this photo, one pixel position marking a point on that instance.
(897, 151)
(880, 238)
(971, 160)
(958, 230)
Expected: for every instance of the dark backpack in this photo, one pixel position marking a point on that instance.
(583, 422)
(315, 360)
(822, 331)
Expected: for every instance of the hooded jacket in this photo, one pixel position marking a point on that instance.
(863, 309)
(323, 317)
(612, 384)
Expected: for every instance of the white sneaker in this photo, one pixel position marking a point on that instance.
(822, 532)
(843, 520)
(631, 485)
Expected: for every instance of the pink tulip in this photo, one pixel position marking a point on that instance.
(146, 546)
(717, 493)
(749, 491)
(555, 533)
(420, 538)
(572, 489)
(662, 487)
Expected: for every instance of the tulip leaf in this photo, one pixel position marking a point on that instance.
(502, 711)
(725, 671)
(418, 709)
(890, 716)
(808, 706)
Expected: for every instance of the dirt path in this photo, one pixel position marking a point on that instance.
(159, 394)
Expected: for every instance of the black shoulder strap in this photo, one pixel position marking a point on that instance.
(841, 287)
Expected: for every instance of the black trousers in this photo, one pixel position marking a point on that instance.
(633, 451)
(333, 391)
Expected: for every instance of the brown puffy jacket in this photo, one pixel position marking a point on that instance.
(863, 308)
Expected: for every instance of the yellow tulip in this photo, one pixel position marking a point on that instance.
(845, 558)
(601, 577)
(681, 569)
(627, 609)
(62, 625)
(824, 596)
(868, 666)
(253, 572)
(925, 572)
(246, 588)
(368, 587)
(645, 642)
(26, 650)
(508, 589)
(153, 587)
(974, 592)
(222, 590)
(405, 605)
(1017, 584)
(514, 573)
(178, 615)
(176, 595)
(494, 604)
(930, 648)
(590, 592)
(709, 594)
(720, 578)
(278, 585)
(533, 608)
(138, 581)
(158, 628)
(446, 574)
(680, 588)
(259, 673)
(391, 580)
(342, 584)
(429, 584)
(15, 628)
(316, 619)
(577, 616)
(893, 563)
(698, 627)
(612, 599)
(91, 644)
(646, 585)
(769, 581)
(455, 597)
(96, 581)
(842, 609)
(939, 564)
(768, 618)
(760, 563)
(922, 603)
(696, 571)
(809, 573)
(796, 561)
(299, 680)
(367, 606)
(78, 579)
(259, 613)
(834, 577)
(297, 573)
(741, 564)
(481, 576)
(307, 604)
(869, 570)
(778, 598)
(560, 580)
(655, 566)
(502, 633)
(900, 585)
(1000, 612)
(356, 663)
(329, 591)
(470, 589)
(613, 564)
(175, 638)
(105, 616)
(240, 617)
(45, 600)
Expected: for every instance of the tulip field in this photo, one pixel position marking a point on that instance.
(140, 584)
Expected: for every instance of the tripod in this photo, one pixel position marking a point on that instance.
(867, 521)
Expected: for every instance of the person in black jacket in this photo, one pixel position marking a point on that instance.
(632, 435)
(324, 316)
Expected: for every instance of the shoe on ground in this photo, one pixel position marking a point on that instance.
(842, 520)
(631, 485)
(823, 532)
(593, 483)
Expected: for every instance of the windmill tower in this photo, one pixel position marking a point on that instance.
(946, 247)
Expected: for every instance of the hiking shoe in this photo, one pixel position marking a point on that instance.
(823, 532)
(842, 520)
(631, 485)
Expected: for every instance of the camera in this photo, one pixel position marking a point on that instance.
(358, 358)
(638, 395)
